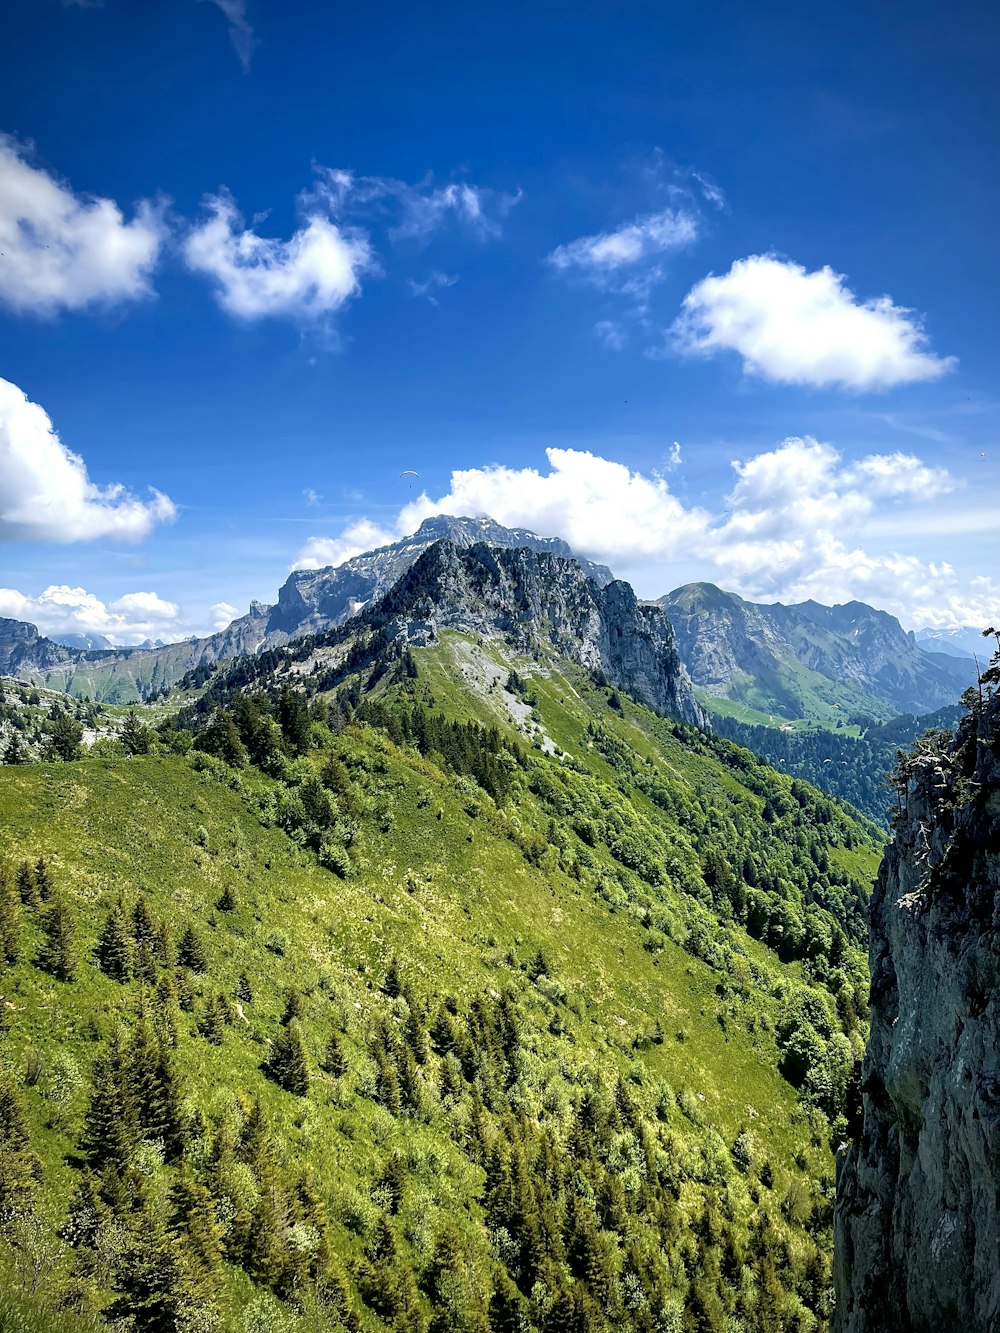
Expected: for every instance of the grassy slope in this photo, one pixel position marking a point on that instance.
(457, 901)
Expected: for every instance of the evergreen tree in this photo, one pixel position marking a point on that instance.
(144, 930)
(114, 946)
(135, 735)
(222, 739)
(228, 902)
(65, 738)
(43, 880)
(287, 1062)
(110, 1126)
(293, 718)
(14, 751)
(27, 888)
(293, 1007)
(20, 1169)
(191, 951)
(10, 920)
(57, 955)
(333, 1057)
(244, 991)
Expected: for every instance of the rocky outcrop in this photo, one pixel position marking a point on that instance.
(917, 1225)
(314, 600)
(22, 648)
(533, 598)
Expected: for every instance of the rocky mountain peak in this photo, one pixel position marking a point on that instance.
(538, 598)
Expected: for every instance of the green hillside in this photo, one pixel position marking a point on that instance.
(466, 995)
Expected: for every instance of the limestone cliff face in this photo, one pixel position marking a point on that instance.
(535, 597)
(917, 1226)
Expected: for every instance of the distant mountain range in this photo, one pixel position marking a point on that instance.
(820, 663)
(761, 663)
(963, 641)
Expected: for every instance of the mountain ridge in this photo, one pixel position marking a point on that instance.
(788, 659)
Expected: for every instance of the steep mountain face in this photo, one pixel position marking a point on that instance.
(313, 600)
(122, 675)
(310, 602)
(792, 660)
(917, 1224)
(22, 648)
(532, 597)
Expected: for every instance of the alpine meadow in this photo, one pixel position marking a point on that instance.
(499, 667)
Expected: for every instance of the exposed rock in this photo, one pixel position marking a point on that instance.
(314, 600)
(728, 643)
(917, 1226)
(531, 597)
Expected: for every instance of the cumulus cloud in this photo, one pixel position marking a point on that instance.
(359, 536)
(222, 614)
(792, 526)
(61, 609)
(607, 252)
(66, 251)
(308, 276)
(46, 493)
(240, 32)
(796, 327)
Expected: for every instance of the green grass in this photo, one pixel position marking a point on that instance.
(438, 879)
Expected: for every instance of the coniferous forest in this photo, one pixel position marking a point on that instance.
(348, 1001)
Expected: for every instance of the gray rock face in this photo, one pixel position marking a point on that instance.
(723, 639)
(530, 597)
(917, 1223)
(22, 646)
(314, 600)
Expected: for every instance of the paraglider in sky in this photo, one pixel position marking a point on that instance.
(408, 473)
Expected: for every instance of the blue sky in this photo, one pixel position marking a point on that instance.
(709, 290)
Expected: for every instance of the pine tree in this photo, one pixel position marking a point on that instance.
(10, 920)
(191, 951)
(26, 887)
(288, 1063)
(14, 751)
(159, 1106)
(392, 984)
(244, 991)
(333, 1057)
(293, 1007)
(391, 1184)
(229, 900)
(222, 739)
(20, 1169)
(110, 1126)
(57, 955)
(213, 1022)
(135, 735)
(143, 925)
(43, 880)
(114, 946)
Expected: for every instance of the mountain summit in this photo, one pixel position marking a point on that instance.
(808, 660)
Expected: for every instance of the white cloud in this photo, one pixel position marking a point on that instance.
(434, 282)
(46, 493)
(61, 609)
(359, 536)
(607, 252)
(791, 527)
(240, 32)
(65, 251)
(222, 614)
(419, 210)
(308, 276)
(795, 327)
